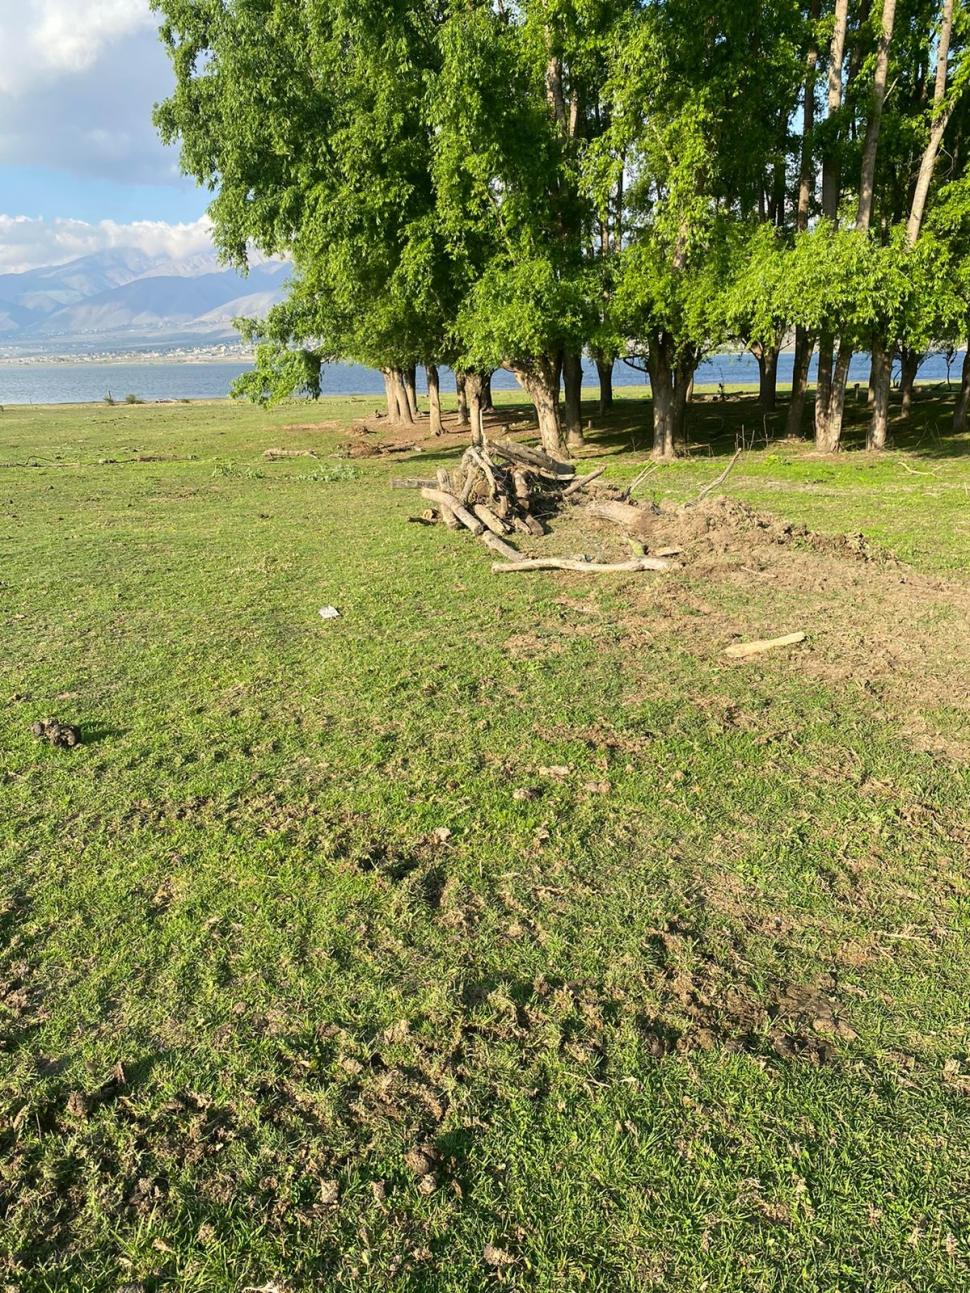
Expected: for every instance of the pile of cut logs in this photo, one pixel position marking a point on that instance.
(500, 487)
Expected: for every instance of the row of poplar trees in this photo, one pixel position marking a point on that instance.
(519, 183)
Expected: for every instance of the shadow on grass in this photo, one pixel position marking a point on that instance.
(718, 426)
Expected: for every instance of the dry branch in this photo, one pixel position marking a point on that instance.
(586, 567)
(720, 479)
(741, 650)
(581, 482)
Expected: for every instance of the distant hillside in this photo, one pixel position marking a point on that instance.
(124, 297)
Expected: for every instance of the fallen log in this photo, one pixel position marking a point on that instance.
(490, 520)
(277, 455)
(532, 458)
(741, 650)
(448, 501)
(500, 546)
(586, 567)
(625, 514)
(414, 482)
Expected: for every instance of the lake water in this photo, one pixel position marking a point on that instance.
(87, 383)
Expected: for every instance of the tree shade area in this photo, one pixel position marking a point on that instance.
(520, 185)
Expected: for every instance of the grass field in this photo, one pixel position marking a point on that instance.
(298, 993)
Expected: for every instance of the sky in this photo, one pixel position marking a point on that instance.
(81, 167)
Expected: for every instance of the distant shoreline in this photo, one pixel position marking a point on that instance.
(107, 361)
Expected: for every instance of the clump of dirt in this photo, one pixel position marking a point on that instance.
(60, 735)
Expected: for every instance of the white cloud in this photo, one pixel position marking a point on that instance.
(29, 243)
(47, 38)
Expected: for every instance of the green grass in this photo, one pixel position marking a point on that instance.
(284, 881)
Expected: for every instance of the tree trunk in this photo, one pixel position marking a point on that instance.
(940, 121)
(540, 381)
(963, 400)
(410, 376)
(668, 386)
(804, 345)
(823, 386)
(831, 436)
(572, 373)
(487, 404)
(434, 398)
(870, 147)
(806, 170)
(767, 357)
(462, 390)
(399, 384)
(882, 366)
(831, 170)
(390, 396)
(473, 389)
(683, 388)
(910, 362)
(604, 369)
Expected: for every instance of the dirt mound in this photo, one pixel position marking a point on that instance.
(722, 524)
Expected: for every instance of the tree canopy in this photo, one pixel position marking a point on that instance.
(512, 185)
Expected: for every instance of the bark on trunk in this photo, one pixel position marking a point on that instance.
(823, 386)
(398, 405)
(473, 390)
(870, 147)
(830, 437)
(806, 174)
(881, 374)
(572, 374)
(462, 399)
(434, 398)
(941, 119)
(963, 400)
(831, 177)
(604, 369)
(767, 357)
(910, 361)
(669, 384)
(410, 376)
(804, 345)
(487, 405)
(390, 399)
(540, 381)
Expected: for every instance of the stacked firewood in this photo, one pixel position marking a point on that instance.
(501, 487)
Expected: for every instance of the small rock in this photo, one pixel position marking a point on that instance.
(329, 613)
(329, 1193)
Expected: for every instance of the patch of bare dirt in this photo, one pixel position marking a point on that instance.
(872, 623)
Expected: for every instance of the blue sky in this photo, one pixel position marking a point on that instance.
(80, 164)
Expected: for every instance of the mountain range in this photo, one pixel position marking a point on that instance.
(124, 298)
